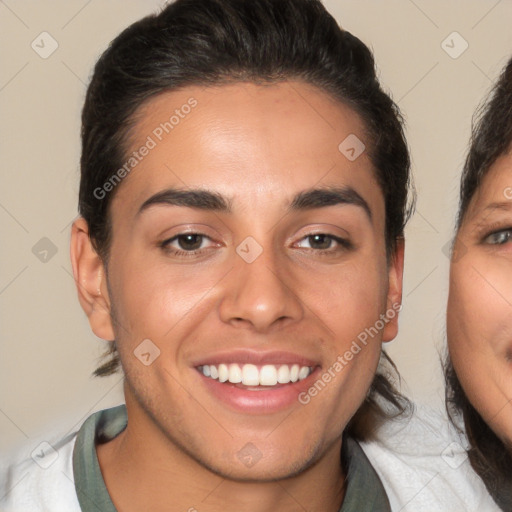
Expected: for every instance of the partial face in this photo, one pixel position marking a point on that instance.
(480, 301)
(250, 251)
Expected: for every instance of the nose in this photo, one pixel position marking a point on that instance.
(259, 295)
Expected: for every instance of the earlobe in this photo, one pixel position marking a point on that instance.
(394, 299)
(90, 280)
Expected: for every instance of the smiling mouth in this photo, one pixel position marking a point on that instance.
(267, 375)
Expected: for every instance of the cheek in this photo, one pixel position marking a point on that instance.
(479, 328)
(347, 297)
(353, 312)
(153, 297)
(479, 308)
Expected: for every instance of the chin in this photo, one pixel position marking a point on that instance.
(260, 471)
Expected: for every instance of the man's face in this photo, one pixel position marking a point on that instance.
(266, 281)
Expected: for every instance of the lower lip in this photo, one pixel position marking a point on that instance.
(264, 400)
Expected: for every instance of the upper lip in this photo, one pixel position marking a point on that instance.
(256, 357)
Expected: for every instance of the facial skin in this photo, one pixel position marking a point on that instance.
(259, 147)
(479, 319)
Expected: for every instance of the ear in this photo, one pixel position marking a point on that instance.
(394, 299)
(90, 280)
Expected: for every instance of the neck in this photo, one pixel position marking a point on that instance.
(143, 470)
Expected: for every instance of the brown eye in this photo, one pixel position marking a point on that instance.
(190, 242)
(324, 242)
(186, 243)
(321, 242)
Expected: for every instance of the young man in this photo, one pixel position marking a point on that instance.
(243, 196)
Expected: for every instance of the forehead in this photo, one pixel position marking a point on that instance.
(495, 190)
(245, 140)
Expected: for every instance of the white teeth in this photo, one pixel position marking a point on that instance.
(251, 375)
(268, 375)
(294, 373)
(283, 374)
(303, 372)
(223, 373)
(235, 374)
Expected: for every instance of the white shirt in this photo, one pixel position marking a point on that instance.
(43, 483)
(423, 465)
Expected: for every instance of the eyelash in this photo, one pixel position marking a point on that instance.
(343, 245)
(165, 245)
(495, 230)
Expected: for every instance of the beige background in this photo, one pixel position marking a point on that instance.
(47, 352)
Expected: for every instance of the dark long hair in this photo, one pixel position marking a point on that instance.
(491, 138)
(212, 42)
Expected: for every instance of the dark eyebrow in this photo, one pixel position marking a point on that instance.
(212, 201)
(329, 196)
(504, 205)
(199, 199)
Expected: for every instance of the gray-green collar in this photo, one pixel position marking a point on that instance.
(364, 491)
(89, 484)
